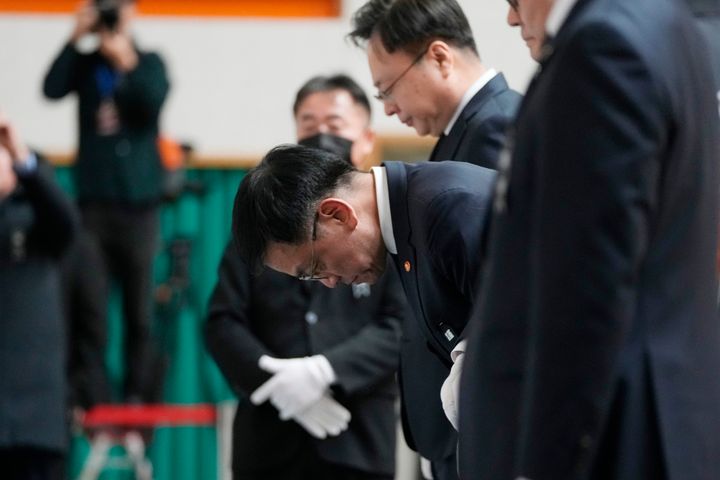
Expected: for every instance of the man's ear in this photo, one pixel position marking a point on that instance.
(441, 54)
(335, 211)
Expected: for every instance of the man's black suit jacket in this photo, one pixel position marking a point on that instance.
(477, 137)
(357, 329)
(438, 214)
(478, 134)
(596, 355)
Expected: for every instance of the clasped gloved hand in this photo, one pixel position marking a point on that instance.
(324, 418)
(296, 384)
(450, 390)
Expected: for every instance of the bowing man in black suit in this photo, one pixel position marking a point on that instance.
(308, 214)
(340, 428)
(425, 64)
(597, 353)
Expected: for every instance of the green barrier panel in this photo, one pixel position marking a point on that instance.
(186, 453)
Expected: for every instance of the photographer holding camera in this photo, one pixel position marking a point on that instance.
(117, 172)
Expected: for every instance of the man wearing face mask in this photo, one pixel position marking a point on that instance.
(313, 367)
(333, 113)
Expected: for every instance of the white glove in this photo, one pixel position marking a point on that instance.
(296, 384)
(450, 391)
(324, 418)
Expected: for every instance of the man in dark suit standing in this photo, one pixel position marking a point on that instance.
(597, 352)
(425, 64)
(306, 213)
(324, 360)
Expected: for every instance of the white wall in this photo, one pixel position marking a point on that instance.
(233, 81)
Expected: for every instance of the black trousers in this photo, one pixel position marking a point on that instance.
(29, 463)
(128, 239)
(307, 465)
(84, 297)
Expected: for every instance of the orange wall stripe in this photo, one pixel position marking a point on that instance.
(234, 8)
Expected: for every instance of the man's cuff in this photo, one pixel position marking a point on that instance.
(458, 350)
(326, 371)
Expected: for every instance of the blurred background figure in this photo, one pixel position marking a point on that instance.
(323, 360)
(37, 223)
(118, 173)
(333, 113)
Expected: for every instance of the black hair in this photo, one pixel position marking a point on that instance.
(410, 25)
(323, 83)
(277, 200)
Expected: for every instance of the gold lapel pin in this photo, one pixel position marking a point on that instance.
(407, 265)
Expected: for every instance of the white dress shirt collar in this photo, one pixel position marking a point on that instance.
(382, 197)
(469, 94)
(558, 14)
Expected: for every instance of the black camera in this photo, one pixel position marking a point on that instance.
(108, 12)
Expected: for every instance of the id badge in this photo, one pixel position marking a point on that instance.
(107, 119)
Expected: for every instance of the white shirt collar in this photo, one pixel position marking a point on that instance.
(382, 197)
(558, 14)
(469, 94)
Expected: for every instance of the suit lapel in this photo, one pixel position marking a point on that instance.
(446, 148)
(397, 193)
(550, 46)
(406, 259)
(552, 43)
(435, 155)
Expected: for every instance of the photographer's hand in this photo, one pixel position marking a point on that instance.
(118, 48)
(86, 18)
(10, 139)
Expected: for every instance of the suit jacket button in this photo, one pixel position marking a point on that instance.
(311, 318)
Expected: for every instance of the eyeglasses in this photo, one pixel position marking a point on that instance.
(513, 4)
(385, 95)
(306, 277)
